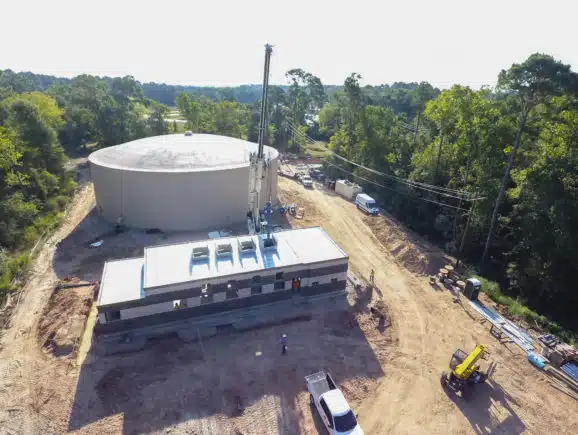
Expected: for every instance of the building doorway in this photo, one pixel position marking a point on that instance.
(296, 285)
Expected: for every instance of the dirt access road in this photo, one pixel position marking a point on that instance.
(390, 376)
(427, 328)
(30, 382)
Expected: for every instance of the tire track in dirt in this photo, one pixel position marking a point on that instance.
(427, 327)
(22, 395)
(344, 223)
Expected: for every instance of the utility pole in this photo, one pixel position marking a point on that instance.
(416, 130)
(511, 160)
(459, 253)
(466, 175)
(439, 152)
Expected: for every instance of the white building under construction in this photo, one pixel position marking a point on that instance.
(195, 279)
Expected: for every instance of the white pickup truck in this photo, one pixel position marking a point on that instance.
(306, 181)
(334, 410)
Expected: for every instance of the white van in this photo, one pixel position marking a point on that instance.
(366, 203)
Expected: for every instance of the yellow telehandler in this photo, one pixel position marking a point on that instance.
(465, 373)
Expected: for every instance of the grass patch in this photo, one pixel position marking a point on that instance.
(181, 128)
(12, 269)
(174, 114)
(518, 310)
(317, 150)
(15, 265)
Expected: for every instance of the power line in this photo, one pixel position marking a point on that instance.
(397, 191)
(295, 131)
(466, 196)
(301, 134)
(416, 185)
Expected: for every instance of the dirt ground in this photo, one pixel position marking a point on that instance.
(33, 384)
(239, 383)
(427, 328)
(63, 321)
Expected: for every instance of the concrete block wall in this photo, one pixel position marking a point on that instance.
(146, 310)
(194, 301)
(190, 312)
(244, 280)
(244, 292)
(326, 279)
(219, 297)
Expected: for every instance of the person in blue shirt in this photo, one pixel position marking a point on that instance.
(283, 344)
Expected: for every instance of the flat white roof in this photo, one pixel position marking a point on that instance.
(172, 264)
(121, 281)
(365, 196)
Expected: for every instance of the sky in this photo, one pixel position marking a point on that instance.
(221, 43)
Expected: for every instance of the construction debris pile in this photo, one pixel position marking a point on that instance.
(561, 355)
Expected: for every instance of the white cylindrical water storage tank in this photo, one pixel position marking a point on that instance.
(179, 182)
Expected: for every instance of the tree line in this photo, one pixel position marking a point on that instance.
(37, 130)
(160, 92)
(513, 148)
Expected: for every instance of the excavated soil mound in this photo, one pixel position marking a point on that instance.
(414, 255)
(64, 319)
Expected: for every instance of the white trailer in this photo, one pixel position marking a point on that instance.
(347, 189)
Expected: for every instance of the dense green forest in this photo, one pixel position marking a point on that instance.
(159, 92)
(501, 162)
(515, 147)
(37, 129)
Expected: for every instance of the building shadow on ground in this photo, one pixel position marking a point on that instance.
(196, 384)
(486, 408)
(75, 256)
(317, 421)
(364, 295)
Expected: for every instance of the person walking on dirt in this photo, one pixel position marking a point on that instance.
(283, 344)
(372, 276)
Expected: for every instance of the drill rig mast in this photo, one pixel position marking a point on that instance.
(257, 160)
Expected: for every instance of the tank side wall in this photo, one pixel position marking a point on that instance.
(107, 182)
(176, 201)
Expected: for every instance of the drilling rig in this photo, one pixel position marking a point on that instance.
(257, 160)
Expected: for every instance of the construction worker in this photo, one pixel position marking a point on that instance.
(283, 344)
(372, 276)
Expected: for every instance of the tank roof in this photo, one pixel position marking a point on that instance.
(179, 153)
